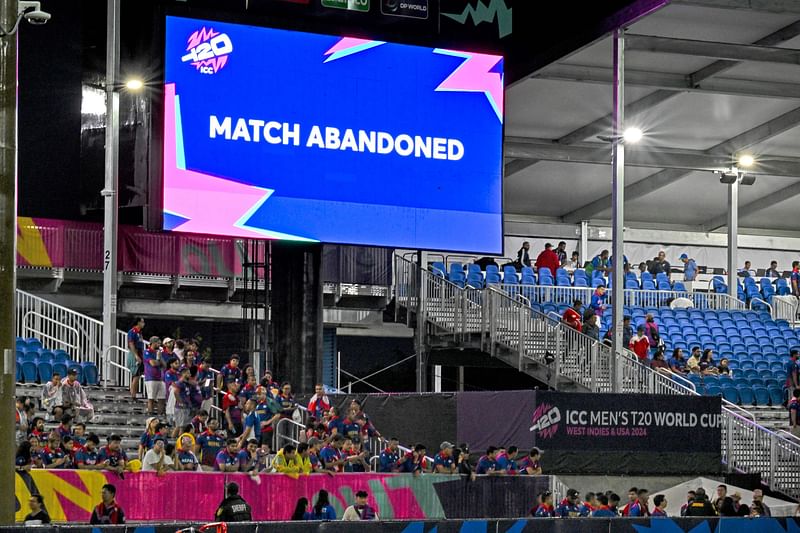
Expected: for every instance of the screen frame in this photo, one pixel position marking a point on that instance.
(157, 133)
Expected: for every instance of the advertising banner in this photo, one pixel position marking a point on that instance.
(70, 495)
(627, 433)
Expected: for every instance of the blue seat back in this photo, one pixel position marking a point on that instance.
(746, 395)
(761, 395)
(492, 277)
(45, 371)
(492, 269)
(61, 368)
(731, 394)
(60, 356)
(90, 373)
(29, 371)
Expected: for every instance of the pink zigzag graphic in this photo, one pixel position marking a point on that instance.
(349, 45)
(211, 204)
(200, 36)
(475, 75)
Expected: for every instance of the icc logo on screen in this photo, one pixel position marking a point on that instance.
(545, 420)
(208, 50)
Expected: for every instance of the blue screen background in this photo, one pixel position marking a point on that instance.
(344, 196)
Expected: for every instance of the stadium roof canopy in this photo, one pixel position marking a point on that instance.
(700, 104)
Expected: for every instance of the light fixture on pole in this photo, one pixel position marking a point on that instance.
(134, 84)
(733, 177)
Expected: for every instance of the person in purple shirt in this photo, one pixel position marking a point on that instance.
(228, 458)
(154, 377)
(487, 463)
(135, 361)
(230, 372)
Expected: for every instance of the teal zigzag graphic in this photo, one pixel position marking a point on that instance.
(483, 13)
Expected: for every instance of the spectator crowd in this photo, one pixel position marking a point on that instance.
(638, 505)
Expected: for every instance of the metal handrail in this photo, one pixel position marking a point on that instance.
(769, 306)
(30, 329)
(108, 363)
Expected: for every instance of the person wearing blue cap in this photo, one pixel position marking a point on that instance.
(689, 268)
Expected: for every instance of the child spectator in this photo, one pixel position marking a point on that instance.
(52, 396)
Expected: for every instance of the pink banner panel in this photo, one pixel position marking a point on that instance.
(70, 495)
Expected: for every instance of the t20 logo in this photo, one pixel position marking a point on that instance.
(545, 420)
(208, 50)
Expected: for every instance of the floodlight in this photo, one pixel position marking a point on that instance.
(134, 84)
(746, 160)
(632, 135)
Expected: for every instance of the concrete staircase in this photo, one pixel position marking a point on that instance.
(115, 413)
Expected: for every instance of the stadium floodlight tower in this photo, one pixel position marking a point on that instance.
(620, 136)
(12, 13)
(733, 177)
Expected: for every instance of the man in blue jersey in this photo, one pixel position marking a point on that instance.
(414, 462)
(154, 377)
(443, 462)
(530, 464)
(689, 268)
(228, 458)
(794, 413)
(793, 370)
(604, 510)
(88, 457)
(389, 457)
(660, 509)
(135, 359)
(487, 464)
(545, 509)
(506, 460)
(208, 445)
(568, 508)
(640, 508)
(589, 505)
(331, 455)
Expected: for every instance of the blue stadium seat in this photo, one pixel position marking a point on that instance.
(30, 355)
(776, 396)
(90, 373)
(679, 286)
(456, 267)
(34, 344)
(492, 268)
(29, 371)
(528, 271)
(563, 281)
(730, 393)
(598, 282)
(648, 285)
(776, 366)
(437, 267)
(60, 356)
(472, 268)
(61, 368)
(647, 276)
(713, 390)
(526, 280)
(510, 275)
(581, 282)
(475, 280)
(493, 277)
(19, 376)
(45, 371)
(631, 284)
(546, 281)
(21, 345)
(761, 395)
(46, 356)
(458, 278)
(664, 285)
(746, 395)
(562, 272)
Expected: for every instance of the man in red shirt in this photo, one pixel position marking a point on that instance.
(548, 259)
(108, 512)
(572, 316)
(319, 404)
(640, 344)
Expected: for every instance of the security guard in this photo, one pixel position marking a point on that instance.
(700, 506)
(233, 508)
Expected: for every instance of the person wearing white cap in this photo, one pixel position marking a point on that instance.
(443, 462)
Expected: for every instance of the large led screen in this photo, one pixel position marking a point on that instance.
(287, 135)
